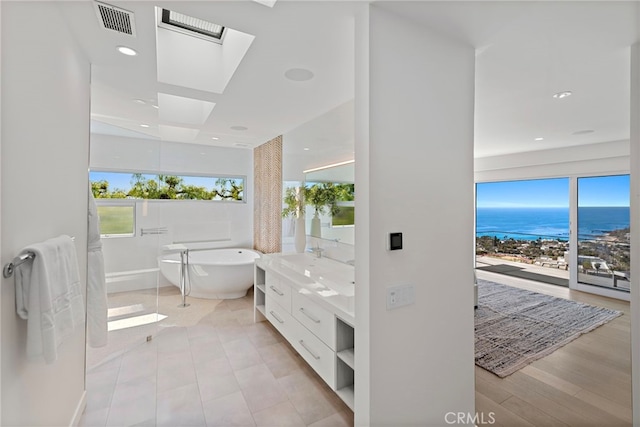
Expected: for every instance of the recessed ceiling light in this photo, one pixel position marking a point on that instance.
(241, 145)
(307, 148)
(140, 101)
(583, 132)
(538, 138)
(127, 51)
(144, 126)
(561, 95)
(298, 74)
(215, 138)
(239, 127)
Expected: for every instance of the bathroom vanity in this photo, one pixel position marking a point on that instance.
(309, 300)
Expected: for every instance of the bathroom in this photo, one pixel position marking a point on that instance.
(151, 324)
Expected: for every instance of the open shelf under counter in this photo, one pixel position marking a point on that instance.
(347, 395)
(259, 297)
(348, 357)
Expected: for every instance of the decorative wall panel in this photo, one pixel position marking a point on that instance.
(267, 218)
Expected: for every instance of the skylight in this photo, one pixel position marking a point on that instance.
(190, 25)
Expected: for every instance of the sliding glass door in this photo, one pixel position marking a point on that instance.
(603, 231)
(522, 229)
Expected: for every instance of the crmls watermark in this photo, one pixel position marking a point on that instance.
(467, 418)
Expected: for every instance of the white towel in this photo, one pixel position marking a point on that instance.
(96, 284)
(49, 296)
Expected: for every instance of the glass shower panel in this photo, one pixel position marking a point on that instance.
(130, 231)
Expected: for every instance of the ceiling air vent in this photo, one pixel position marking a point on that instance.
(116, 19)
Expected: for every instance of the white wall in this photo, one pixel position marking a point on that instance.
(593, 159)
(421, 357)
(362, 385)
(45, 143)
(0, 205)
(635, 226)
(225, 224)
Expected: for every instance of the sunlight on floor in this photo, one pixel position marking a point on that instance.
(124, 310)
(130, 322)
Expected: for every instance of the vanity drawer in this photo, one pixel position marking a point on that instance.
(316, 318)
(281, 319)
(279, 291)
(320, 357)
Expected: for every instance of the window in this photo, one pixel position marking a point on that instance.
(192, 26)
(117, 219)
(604, 231)
(132, 185)
(522, 229)
(345, 216)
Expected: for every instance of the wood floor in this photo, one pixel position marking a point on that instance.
(585, 383)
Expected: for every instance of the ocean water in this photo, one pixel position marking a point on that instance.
(546, 223)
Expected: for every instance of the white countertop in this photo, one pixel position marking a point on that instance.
(328, 282)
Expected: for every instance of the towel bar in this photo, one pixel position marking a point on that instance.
(9, 268)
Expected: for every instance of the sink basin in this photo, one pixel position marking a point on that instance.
(325, 272)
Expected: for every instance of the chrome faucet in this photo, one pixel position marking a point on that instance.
(318, 251)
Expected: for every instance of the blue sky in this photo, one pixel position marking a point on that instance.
(553, 193)
(119, 180)
(604, 191)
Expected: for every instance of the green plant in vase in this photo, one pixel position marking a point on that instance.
(324, 198)
(294, 207)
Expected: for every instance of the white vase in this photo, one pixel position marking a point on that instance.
(315, 226)
(300, 237)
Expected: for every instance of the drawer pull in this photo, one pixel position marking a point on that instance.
(315, 356)
(309, 315)
(276, 290)
(276, 316)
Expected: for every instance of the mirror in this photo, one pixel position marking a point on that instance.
(342, 173)
(318, 152)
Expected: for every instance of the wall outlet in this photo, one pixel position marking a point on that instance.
(399, 296)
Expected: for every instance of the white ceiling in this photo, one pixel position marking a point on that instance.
(317, 36)
(526, 52)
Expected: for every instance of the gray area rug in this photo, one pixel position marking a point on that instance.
(514, 326)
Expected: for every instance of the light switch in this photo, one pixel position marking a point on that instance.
(399, 296)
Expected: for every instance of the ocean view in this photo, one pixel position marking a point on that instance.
(548, 223)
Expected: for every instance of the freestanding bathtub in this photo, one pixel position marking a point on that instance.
(213, 273)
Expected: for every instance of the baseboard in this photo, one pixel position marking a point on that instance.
(82, 404)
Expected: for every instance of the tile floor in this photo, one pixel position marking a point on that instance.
(221, 370)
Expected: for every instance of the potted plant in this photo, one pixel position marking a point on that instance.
(294, 207)
(323, 197)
